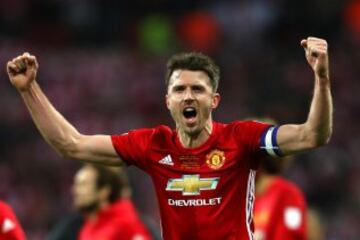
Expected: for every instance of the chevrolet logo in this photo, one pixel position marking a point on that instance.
(191, 185)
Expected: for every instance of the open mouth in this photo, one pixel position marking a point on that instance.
(189, 112)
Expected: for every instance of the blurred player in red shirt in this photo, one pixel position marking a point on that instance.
(203, 171)
(113, 217)
(10, 228)
(280, 209)
(109, 216)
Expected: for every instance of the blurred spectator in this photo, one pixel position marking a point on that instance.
(199, 31)
(156, 34)
(102, 195)
(352, 18)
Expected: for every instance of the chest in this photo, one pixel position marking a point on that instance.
(209, 161)
(199, 174)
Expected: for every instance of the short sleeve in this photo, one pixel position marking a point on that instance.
(250, 133)
(132, 146)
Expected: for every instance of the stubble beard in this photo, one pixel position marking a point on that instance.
(88, 208)
(194, 131)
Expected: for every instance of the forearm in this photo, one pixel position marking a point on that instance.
(320, 119)
(55, 129)
(317, 129)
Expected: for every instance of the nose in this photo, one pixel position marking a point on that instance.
(189, 96)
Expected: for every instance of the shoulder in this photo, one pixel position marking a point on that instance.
(3, 205)
(242, 130)
(160, 130)
(161, 135)
(224, 128)
(163, 131)
(124, 211)
(289, 189)
(145, 133)
(247, 125)
(163, 138)
(5, 209)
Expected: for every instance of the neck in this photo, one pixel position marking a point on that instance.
(92, 215)
(196, 140)
(263, 182)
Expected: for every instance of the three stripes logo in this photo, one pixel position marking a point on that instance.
(167, 160)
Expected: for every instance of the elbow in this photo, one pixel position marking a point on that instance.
(328, 136)
(320, 139)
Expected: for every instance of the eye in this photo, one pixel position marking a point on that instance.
(178, 89)
(198, 88)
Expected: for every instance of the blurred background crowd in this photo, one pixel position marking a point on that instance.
(102, 65)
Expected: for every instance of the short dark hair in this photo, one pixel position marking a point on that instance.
(116, 180)
(193, 61)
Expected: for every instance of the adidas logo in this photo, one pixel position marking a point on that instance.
(167, 160)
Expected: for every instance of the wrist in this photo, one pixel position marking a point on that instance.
(322, 81)
(28, 88)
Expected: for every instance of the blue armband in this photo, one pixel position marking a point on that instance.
(268, 142)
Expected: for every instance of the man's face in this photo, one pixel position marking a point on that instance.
(190, 99)
(85, 192)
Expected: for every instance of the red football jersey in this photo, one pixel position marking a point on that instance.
(280, 212)
(205, 192)
(10, 228)
(119, 221)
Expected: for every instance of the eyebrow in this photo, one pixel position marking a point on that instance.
(196, 85)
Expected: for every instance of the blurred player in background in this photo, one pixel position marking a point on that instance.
(101, 194)
(203, 171)
(10, 228)
(280, 211)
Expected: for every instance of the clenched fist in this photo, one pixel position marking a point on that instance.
(22, 71)
(316, 52)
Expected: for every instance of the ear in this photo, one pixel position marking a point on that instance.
(104, 193)
(167, 102)
(215, 100)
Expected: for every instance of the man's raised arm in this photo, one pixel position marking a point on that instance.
(317, 129)
(56, 130)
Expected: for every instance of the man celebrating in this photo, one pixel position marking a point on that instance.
(203, 170)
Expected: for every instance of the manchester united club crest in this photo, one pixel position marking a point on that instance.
(215, 159)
